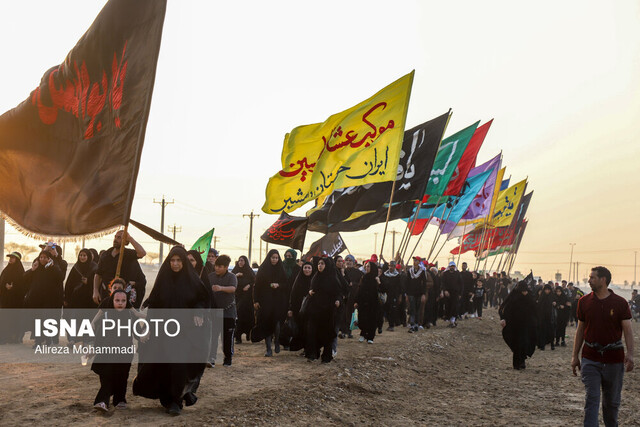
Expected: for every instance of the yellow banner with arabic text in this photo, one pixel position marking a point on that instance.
(358, 146)
(507, 204)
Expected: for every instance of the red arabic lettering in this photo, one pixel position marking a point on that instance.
(80, 97)
(277, 232)
(304, 167)
(351, 136)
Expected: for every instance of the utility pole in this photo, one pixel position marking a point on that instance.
(260, 257)
(83, 246)
(635, 259)
(163, 204)
(251, 216)
(216, 239)
(175, 229)
(577, 272)
(571, 259)
(375, 244)
(393, 243)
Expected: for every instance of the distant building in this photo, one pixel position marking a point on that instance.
(558, 277)
(517, 275)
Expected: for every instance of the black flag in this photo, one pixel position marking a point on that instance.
(356, 208)
(69, 153)
(328, 246)
(287, 231)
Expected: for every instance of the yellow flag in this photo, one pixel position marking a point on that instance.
(507, 204)
(358, 146)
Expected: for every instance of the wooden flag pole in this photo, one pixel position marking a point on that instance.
(439, 234)
(386, 224)
(413, 227)
(464, 231)
(125, 235)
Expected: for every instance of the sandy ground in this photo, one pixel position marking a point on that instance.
(440, 376)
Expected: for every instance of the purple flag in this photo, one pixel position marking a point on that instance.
(481, 204)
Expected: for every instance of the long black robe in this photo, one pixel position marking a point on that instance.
(320, 324)
(10, 328)
(170, 382)
(546, 317)
(519, 312)
(273, 303)
(367, 300)
(563, 311)
(299, 290)
(76, 293)
(44, 287)
(394, 286)
(244, 298)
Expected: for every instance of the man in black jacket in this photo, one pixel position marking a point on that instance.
(452, 288)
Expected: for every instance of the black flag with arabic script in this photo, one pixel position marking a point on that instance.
(328, 246)
(70, 153)
(287, 231)
(357, 208)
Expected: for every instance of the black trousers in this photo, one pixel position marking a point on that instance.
(478, 304)
(228, 333)
(113, 384)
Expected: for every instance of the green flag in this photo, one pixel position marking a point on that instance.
(203, 244)
(447, 159)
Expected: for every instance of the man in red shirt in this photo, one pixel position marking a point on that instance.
(602, 318)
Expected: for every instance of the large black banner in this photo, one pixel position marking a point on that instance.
(69, 154)
(328, 246)
(287, 231)
(356, 208)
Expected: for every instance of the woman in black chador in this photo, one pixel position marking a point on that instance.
(177, 286)
(299, 290)
(367, 302)
(546, 318)
(324, 299)
(11, 296)
(244, 297)
(78, 291)
(518, 320)
(563, 311)
(269, 293)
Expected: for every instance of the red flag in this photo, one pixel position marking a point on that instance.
(69, 154)
(493, 239)
(467, 161)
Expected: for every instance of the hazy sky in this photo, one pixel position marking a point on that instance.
(561, 80)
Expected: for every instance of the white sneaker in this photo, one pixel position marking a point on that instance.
(101, 407)
(334, 353)
(361, 339)
(370, 341)
(421, 327)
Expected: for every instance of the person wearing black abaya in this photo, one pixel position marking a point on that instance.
(353, 275)
(11, 296)
(299, 290)
(563, 311)
(78, 290)
(43, 283)
(324, 299)
(546, 318)
(113, 369)
(268, 293)
(518, 320)
(366, 302)
(244, 300)
(177, 285)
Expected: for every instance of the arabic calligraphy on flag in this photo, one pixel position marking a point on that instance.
(287, 231)
(358, 146)
(507, 204)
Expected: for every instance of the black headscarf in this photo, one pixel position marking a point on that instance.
(12, 273)
(325, 285)
(85, 268)
(300, 288)
(246, 270)
(269, 273)
(182, 289)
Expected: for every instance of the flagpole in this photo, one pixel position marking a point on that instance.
(464, 231)
(386, 224)
(425, 227)
(439, 234)
(413, 227)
